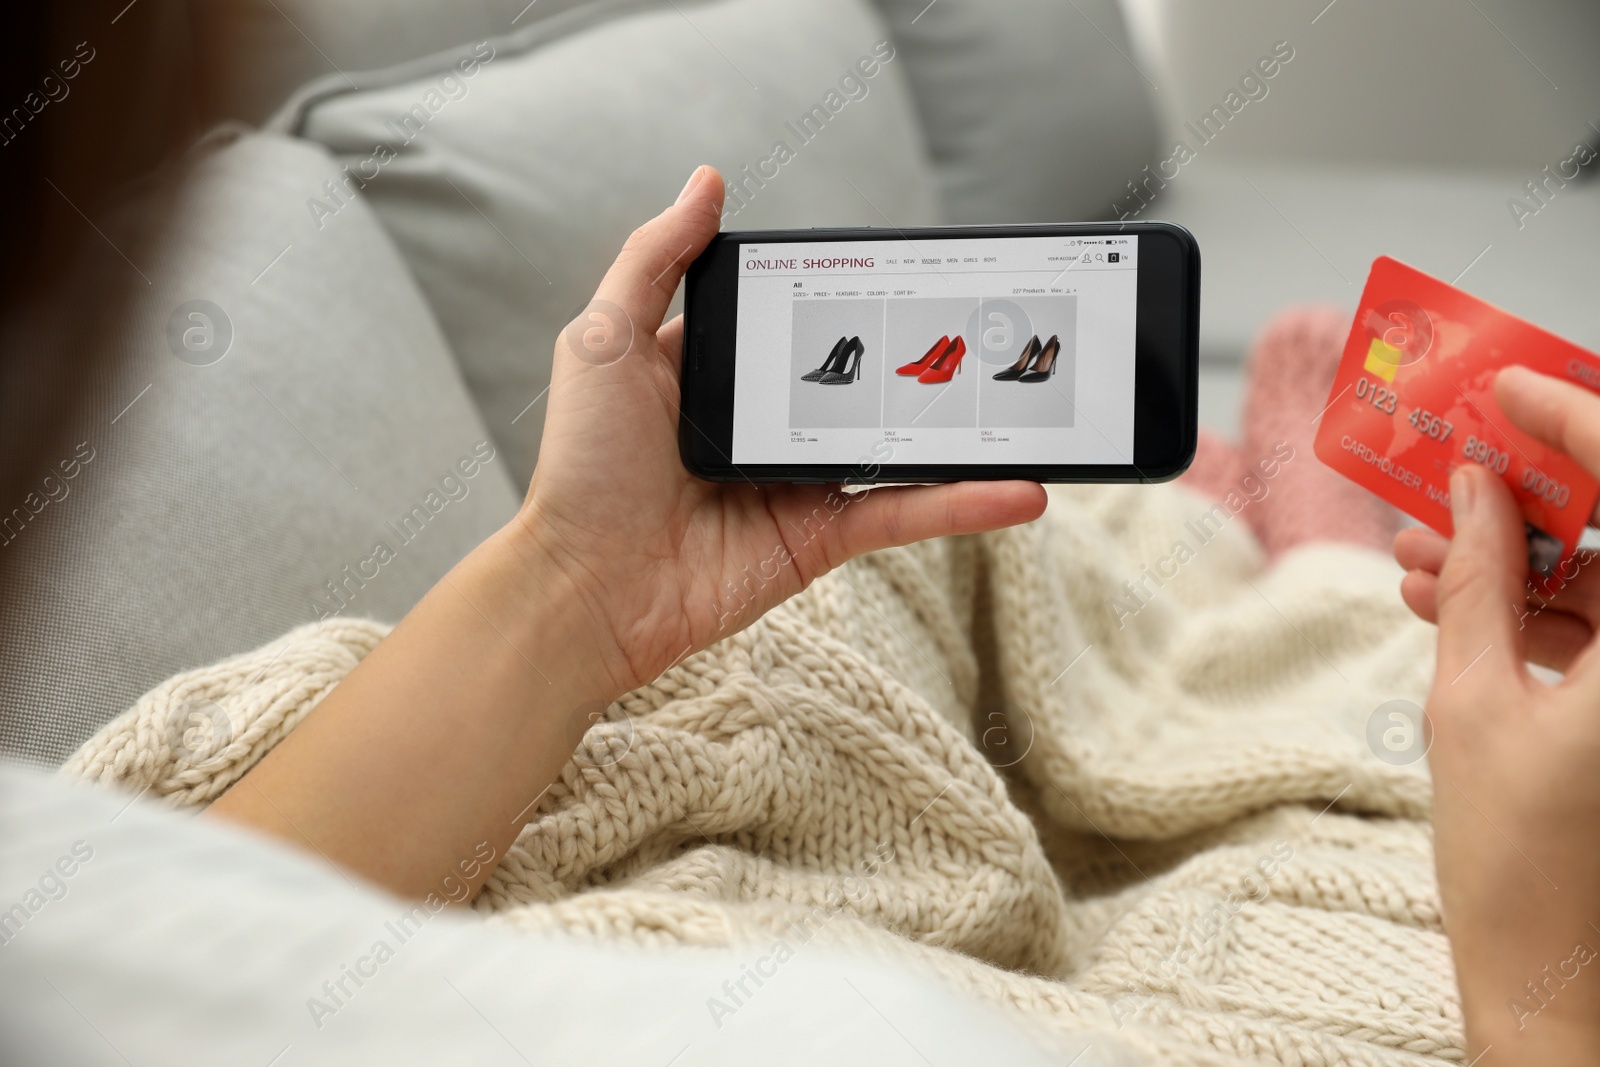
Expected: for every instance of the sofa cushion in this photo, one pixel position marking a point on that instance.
(1034, 110)
(251, 55)
(511, 171)
(283, 405)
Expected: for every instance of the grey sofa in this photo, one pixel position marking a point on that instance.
(332, 387)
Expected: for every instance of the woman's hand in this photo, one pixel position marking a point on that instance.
(1515, 782)
(1560, 622)
(420, 768)
(667, 563)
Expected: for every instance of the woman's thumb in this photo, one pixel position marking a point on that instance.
(1482, 586)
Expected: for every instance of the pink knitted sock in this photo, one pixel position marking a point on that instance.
(1291, 370)
(1217, 466)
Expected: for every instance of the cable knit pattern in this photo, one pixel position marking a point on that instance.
(1159, 825)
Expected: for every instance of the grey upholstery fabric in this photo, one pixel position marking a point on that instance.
(253, 54)
(223, 497)
(510, 182)
(214, 499)
(1034, 110)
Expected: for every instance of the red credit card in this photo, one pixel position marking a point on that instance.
(1414, 398)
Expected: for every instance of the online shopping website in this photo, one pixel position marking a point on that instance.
(1014, 350)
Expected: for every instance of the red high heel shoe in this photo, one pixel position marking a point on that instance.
(914, 369)
(944, 368)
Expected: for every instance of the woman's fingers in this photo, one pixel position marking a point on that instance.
(1553, 638)
(652, 262)
(1420, 589)
(670, 340)
(1574, 590)
(823, 526)
(1559, 413)
(900, 515)
(1482, 585)
(1417, 548)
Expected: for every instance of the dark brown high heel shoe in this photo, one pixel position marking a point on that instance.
(847, 371)
(1044, 364)
(834, 361)
(1015, 371)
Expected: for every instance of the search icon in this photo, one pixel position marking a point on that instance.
(1099, 258)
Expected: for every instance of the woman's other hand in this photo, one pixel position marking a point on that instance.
(1514, 760)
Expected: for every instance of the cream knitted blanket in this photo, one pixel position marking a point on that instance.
(1180, 838)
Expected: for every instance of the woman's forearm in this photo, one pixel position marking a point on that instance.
(420, 768)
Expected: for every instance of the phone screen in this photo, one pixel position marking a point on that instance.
(983, 350)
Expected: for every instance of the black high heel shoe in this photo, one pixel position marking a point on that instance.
(1044, 365)
(854, 349)
(834, 362)
(1016, 370)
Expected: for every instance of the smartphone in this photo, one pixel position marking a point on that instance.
(1055, 353)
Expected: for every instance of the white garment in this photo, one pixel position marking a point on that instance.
(138, 935)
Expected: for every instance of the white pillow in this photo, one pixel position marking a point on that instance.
(511, 171)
